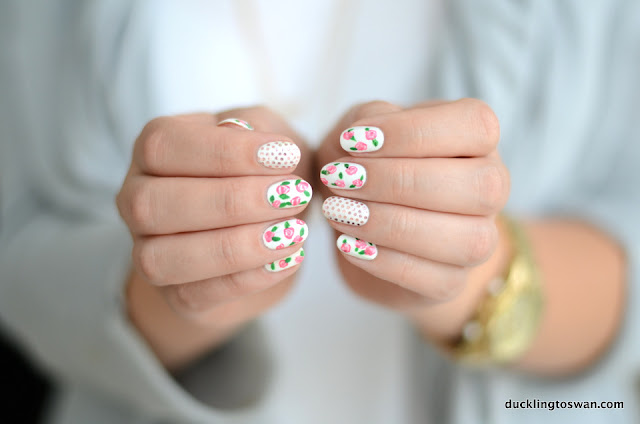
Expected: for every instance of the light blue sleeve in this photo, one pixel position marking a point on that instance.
(68, 114)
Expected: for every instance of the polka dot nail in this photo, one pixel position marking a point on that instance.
(279, 154)
(347, 211)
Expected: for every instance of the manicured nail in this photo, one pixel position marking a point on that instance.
(343, 175)
(238, 122)
(289, 193)
(285, 234)
(362, 139)
(279, 154)
(288, 262)
(353, 246)
(347, 211)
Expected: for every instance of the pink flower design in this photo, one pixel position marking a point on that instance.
(297, 239)
(299, 259)
(340, 183)
(288, 232)
(347, 135)
(352, 170)
(346, 248)
(371, 134)
(300, 222)
(361, 146)
(331, 169)
(370, 250)
(280, 246)
(295, 201)
(268, 236)
(302, 186)
(357, 183)
(282, 263)
(324, 181)
(276, 203)
(283, 189)
(361, 244)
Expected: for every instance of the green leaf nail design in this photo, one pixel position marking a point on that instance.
(303, 202)
(340, 175)
(282, 205)
(275, 238)
(285, 183)
(353, 148)
(298, 181)
(287, 225)
(275, 227)
(284, 196)
(273, 266)
(301, 231)
(287, 260)
(271, 199)
(306, 193)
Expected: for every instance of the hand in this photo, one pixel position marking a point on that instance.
(426, 183)
(208, 206)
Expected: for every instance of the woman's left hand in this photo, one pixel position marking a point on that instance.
(414, 194)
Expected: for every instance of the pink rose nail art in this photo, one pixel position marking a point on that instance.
(345, 175)
(238, 122)
(286, 233)
(362, 139)
(282, 195)
(353, 246)
(286, 263)
(347, 211)
(279, 154)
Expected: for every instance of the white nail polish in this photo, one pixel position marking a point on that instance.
(286, 263)
(279, 154)
(343, 175)
(362, 139)
(347, 211)
(289, 193)
(286, 233)
(353, 246)
(239, 122)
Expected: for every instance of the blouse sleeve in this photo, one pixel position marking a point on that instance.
(69, 113)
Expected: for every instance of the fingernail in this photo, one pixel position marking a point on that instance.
(289, 193)
(285, 234)
(362, 139)
(279, 154)
(347, 211)
(353, 246)
(238, 122)
(285, 263)
(343, 175)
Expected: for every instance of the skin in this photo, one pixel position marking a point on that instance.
(434, 191)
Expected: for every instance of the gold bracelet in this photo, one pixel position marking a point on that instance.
(506, 322)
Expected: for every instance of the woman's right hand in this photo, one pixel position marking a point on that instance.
(210, 207)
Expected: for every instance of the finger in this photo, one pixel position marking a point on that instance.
(447, 238)
(190, 148)
(200, 297)
(463, 128)
(182, 258)
(471, 186)
(404, 271)
(230, 313)
(151, 205)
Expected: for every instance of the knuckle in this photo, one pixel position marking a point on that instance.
(404, 183)
(146, 261)
(402, 224)
(482, 240)
(152, 144)
(187, 300)
(450, 286)
(407, 269)
(226, 250)
(375, 107)
(141, 216)
(227, 201)
(485, 120)
(492, 184)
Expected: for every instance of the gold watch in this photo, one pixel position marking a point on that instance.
(507, 320)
